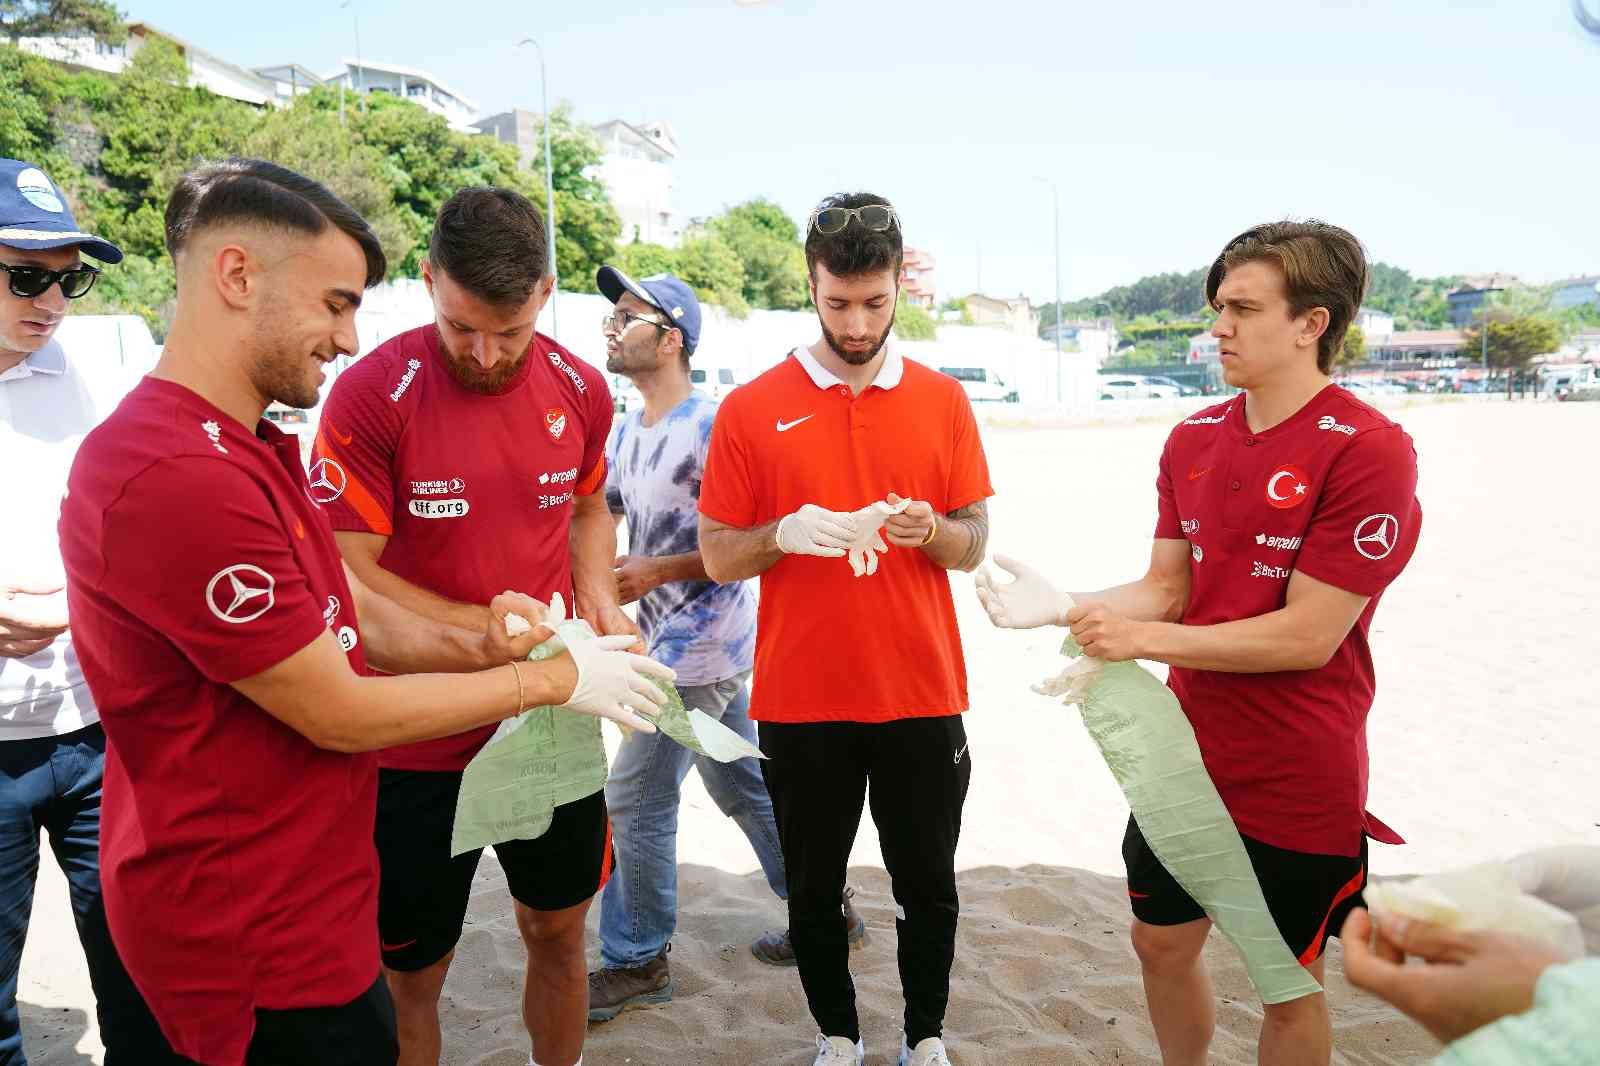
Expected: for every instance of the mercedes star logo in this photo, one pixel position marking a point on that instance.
(1377, 535)
(241, 593)
(327, 481)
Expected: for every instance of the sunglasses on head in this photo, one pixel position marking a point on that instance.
(875, 217)
(30, 281)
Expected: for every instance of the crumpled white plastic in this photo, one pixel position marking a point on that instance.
(868, 543)
(1479, 898)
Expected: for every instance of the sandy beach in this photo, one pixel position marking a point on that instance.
(1482, 742)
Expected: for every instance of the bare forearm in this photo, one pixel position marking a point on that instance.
(593, 541)
(961, 538)
(731, 555)
(417, 600)
(1145, 600)
(1266, 644)
(397, 640)
(686, 567)
(315, 693)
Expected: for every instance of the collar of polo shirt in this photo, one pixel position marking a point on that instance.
(51, 359)
(889, 374)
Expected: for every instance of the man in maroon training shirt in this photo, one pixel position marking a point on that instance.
(227, 648)
(1284, 513)
(458, 459)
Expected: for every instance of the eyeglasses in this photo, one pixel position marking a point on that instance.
(618, 322)
(875, 217)
(28, 282)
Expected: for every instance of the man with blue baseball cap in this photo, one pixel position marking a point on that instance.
(704, 630)
(52, 749)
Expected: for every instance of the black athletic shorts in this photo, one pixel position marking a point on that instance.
(1309, 895)
(358, 1033)
(422, 892)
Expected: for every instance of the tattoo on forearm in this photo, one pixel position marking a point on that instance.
(974, 518)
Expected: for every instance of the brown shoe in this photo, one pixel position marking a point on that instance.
(776, 948)
(613, 991)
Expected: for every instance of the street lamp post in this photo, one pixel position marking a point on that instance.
(549, 182)
(1055, 200)
(361, 82)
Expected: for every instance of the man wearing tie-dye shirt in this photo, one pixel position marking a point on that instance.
(703, 630)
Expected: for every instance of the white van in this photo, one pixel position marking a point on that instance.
(715, 381)
(981, 384)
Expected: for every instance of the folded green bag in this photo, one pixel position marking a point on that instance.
(1149, 745)
(548, 756)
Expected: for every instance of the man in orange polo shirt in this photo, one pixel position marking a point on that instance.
(859, 680)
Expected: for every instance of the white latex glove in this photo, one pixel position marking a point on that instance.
(867, 544)
(1566, 877)
(1027, 602)
(814, 530)
(614, 683)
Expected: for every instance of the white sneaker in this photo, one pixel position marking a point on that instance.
(929, 1052)
(838, 1051)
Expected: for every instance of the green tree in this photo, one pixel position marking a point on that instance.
(767, 242)
(135, 286)
(310, 140)
(30, 88)
(154, 129)
(1353, 351)
(912, 323)
(62, 18)
(640, 260)
(713, 270)
(587, 225)
(1513, 341)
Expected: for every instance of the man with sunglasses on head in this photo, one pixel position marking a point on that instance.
(52, 748)
(860, 682)
(655, 460)
(457, 459)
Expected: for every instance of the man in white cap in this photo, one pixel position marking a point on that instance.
(52, 749)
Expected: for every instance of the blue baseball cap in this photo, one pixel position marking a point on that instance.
(34, 214)
(665, 293)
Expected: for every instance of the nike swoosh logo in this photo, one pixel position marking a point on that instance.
(784, 427)
(1196, 475)
(396, 947)
(962, 752)
(342, 438)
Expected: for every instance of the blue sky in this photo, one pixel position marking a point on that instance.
(1449, 135)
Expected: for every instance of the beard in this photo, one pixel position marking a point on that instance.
(854, 358)
(471, 377)
(278, 368)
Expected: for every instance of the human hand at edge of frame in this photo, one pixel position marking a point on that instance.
(32, 615)
(1466, 981)
(1028, 601)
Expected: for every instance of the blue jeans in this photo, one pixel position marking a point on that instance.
(53, 784)
(639, 908)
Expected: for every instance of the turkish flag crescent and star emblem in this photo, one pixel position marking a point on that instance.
(1287, 487)
(555, 420)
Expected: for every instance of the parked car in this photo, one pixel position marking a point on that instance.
(981, 384)
(1136, 387)
(1183, 390)
(1372, 387)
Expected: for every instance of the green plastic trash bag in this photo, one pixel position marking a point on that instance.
(548, 756)
(1149, 745)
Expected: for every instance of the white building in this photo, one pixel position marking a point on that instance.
(1204, 348)
(205, 70)
(636, 169)
(1374, 324)
(418, 86)
(289, 80)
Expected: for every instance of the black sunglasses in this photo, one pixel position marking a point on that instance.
(28, 282)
